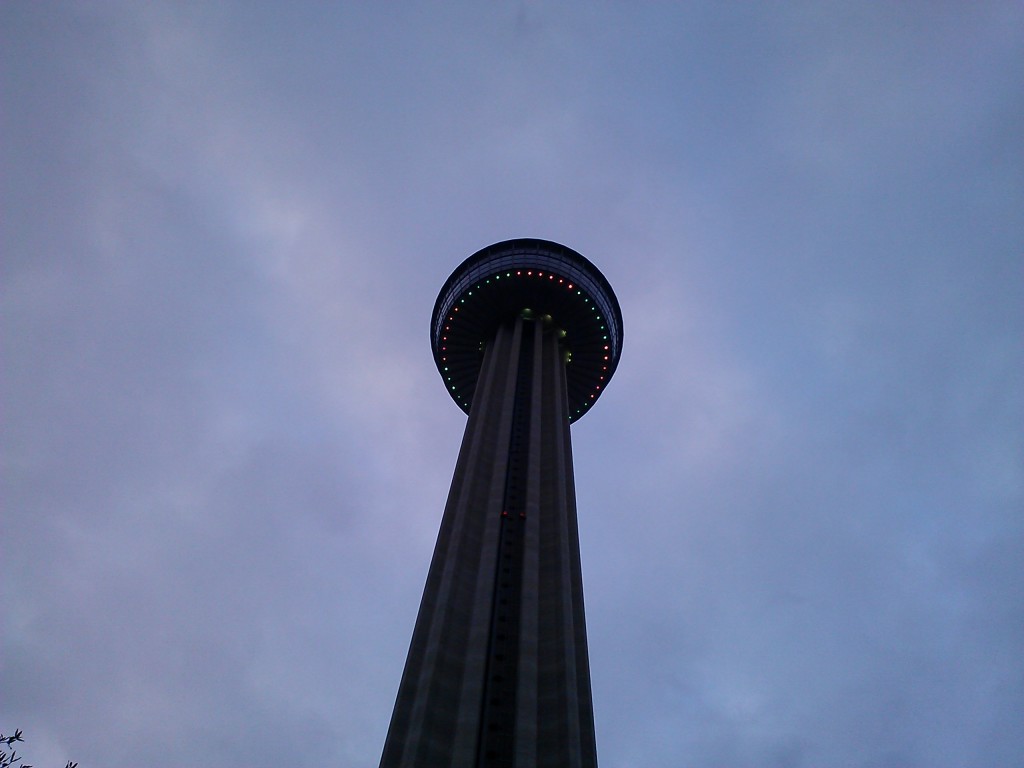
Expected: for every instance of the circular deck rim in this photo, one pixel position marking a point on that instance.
(591, 371)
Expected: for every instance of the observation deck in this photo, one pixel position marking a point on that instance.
(538, 280)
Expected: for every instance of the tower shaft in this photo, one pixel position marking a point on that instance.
(497, 672)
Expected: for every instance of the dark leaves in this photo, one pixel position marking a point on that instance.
(11, 759)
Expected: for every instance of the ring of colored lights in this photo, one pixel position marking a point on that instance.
(546, 280)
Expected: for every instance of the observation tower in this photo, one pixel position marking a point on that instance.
(526, 335)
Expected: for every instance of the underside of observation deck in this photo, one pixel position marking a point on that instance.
(537, 280)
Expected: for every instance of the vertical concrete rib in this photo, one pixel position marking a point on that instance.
(477, 649)
(497, 722)
(437, 710)
(525, 744)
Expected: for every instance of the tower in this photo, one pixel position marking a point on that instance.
(526, 335)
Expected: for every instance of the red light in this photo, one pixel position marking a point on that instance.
(606, 357)
(570, 286)
(540, 274)
(529, 273)
(551, 277)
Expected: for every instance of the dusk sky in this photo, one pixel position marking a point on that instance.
(226, 448)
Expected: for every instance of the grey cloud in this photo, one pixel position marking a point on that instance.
(225, 450)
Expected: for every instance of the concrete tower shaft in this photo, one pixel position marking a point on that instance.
(497, 672)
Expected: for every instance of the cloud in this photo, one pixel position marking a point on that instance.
(226, 451)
